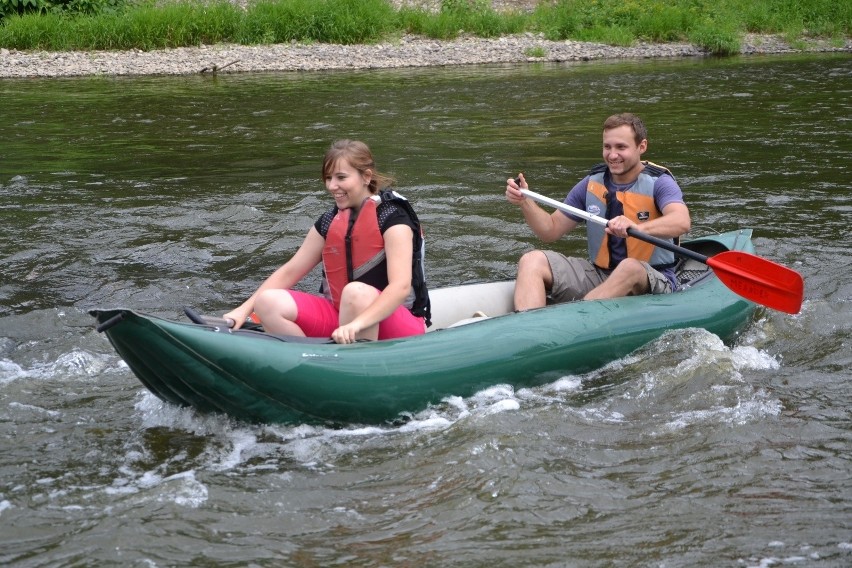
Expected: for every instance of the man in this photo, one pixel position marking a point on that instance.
(630, 193)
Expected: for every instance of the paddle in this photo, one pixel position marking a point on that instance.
(752, 277)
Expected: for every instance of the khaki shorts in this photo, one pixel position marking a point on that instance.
(575, 277)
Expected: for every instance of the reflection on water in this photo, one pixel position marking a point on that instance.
(155, 193)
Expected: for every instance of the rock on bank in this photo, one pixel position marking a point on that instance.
(410, 51)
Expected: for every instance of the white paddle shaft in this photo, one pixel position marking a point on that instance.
(565, 207)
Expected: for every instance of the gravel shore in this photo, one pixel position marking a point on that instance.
(407, 52)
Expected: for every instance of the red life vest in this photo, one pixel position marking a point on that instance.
(354, 250)
(353, 246)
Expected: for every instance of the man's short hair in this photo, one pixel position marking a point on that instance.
(628, 119)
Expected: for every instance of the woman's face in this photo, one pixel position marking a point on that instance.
(347, 186)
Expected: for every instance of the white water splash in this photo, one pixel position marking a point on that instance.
(157, 413)
(75, 364)
(751, 358)
(601, 415)
(10, 371)
(79, 363)
(181, 488)
(566, 384)
(35, 410)
(242, 442)
(744, 412)
(426, 424)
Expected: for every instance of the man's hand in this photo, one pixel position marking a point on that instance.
(617, 226)
(513, 189)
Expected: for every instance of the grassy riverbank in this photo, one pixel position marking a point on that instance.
(717, 25)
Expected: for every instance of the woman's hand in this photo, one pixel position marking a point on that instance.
(346, 333)
(238, 316)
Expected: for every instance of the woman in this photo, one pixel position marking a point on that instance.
(371, 248)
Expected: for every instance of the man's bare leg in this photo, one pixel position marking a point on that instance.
(628, 279)
(533, 281)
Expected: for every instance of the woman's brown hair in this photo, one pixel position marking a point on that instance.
(359, 156)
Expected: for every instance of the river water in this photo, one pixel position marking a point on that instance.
(159, 192)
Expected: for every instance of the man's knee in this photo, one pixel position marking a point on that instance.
(632, 267)
(634, 273)
(534, 261)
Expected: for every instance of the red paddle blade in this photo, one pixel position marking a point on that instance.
(760, 280)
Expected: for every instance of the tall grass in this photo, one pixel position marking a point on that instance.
(475, 17)
(795, 18)
(326, 21)
(144, 27)
(150, 24)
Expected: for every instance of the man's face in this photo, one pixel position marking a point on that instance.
(622, 154)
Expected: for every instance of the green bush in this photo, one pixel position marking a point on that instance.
(17, 7)
(20, 7)
(148, 24)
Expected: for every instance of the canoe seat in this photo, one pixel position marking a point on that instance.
(456, 304)
(477, 316)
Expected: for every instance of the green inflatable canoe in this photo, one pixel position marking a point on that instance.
(259, 377)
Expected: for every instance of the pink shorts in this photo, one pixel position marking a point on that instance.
(318, 318)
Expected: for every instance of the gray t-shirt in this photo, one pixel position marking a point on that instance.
(666, 191)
